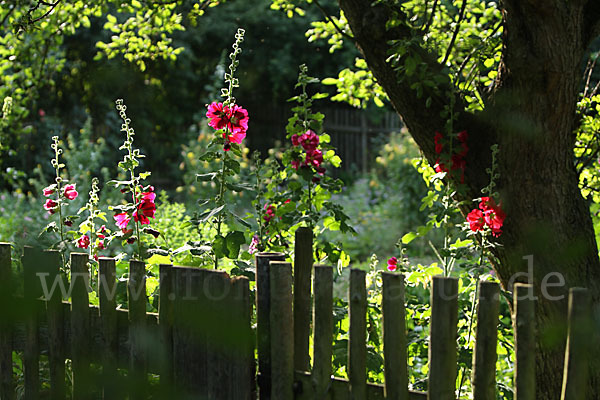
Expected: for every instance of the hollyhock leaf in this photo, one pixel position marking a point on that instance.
(206, 177)
(234, 240)
(409, 237)
(241, 221)
(144, 175)
(233, 165)
(239, 187)
(208, 156)
(158, 258)
(219, 246)
(461, 243)
(211, 213)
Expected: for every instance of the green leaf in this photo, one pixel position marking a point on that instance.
(209, 214)
(219, 247)
(239, 187)
(206, 177)
(409, 237)
(234, 240)
(241, 221)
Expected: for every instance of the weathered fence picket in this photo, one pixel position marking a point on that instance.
(486, 338)
(201, 342)
(7, 389)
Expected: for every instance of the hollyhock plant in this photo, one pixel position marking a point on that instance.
(457, 160)
(253, 248)
(122, 220)
(218, 115)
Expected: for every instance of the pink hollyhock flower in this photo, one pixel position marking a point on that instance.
(238, 122)
(487, 203)
(70, 192)
(253, 245)
(101, 245)
(122, 220)
(314, 158)
(392, 264)
(145, 209)
(218, 115)
(235, 137)
(440, 167)
(50, 206)
(48, 191)
(476, 220)
(83, 242)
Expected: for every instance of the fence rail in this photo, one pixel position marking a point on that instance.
(200, 344)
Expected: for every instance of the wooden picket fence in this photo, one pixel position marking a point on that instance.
(200, 345)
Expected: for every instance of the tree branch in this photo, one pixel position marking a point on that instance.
(330, 19)
(461, 16)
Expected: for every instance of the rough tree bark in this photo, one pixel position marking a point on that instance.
(531, 115)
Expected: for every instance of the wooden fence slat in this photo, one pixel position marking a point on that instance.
(442, 346)
(80, 326)
(31, 358)
(263, 325)
(394, 337)
(165, 321)
(189, 339)
(357, 345)
(241, 350)
(7, 389)
(322, 330)
(282, 331)
(486, 338)
(303, 263)
(575, 376)
(524, 333)
(136, 292)
(107, 285)
(56, 334)
(216, 321)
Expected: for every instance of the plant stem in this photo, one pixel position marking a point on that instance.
(221, 200)
(135, 222)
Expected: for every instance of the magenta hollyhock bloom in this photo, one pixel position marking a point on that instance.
(122, 220)
(70, 192)
(392, 264)
(314, 158)
(48, 191)
(238, 120)
(475, 219)
(100, 245)
(218, 115)
(494, 218)
(50, 206)
(145, 208)
(296, 140)
(269, 212)
(83, 242)
(309, 140)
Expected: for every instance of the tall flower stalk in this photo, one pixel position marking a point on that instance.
(230, 122)
(142, 204)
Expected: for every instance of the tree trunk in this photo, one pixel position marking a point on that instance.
(531, 115)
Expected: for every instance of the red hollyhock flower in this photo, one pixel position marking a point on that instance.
(218, 115)
(392, 264)
(438, 142)
(296, 140)
(50, 206)
(83, 242)
(476, 220)
(122, 220)
(70, 192)
(494, 218)
(101, 245)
